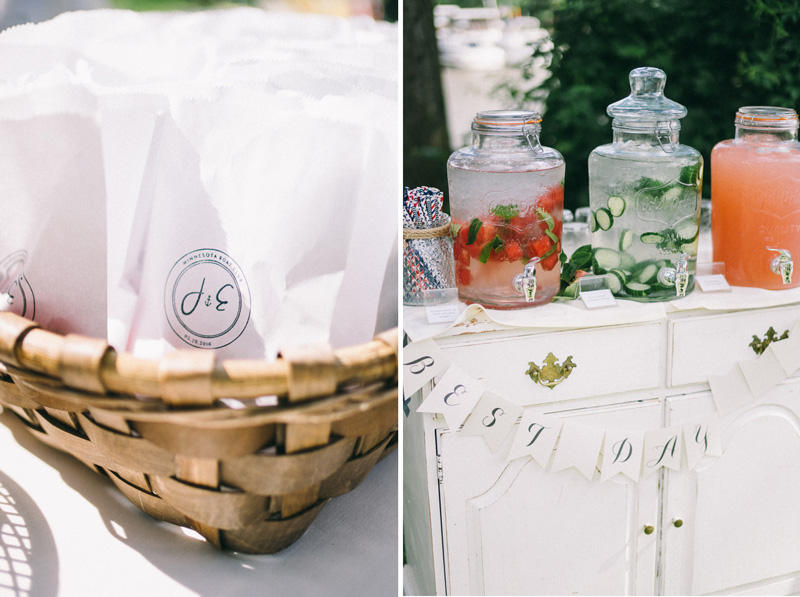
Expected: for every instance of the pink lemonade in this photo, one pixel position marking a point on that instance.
(755, 198)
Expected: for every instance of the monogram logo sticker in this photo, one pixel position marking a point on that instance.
(207, 299)
(16, 294)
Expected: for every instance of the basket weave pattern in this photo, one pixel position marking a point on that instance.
(249, 479)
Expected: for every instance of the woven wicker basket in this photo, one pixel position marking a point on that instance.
(249, 479)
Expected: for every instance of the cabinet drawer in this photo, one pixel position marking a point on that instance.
(703, 346)
(609, 360)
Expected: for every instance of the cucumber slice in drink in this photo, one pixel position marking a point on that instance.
(637, 289)
(619, 275)
(672, 194)
(627, 262)
(592, 222)
(616, 205)
(604, 218)
(613, 283)
(651, 238)
(605, 260)
(687, 229)
(647, 274)
(625, 240)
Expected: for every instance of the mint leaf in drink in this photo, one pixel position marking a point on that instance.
(506, 212)
(455, 229)
(493, 245)
(690, 175)
(474, 226)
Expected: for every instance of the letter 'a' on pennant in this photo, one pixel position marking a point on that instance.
(536, 437)
(701, 438)
(422, 361)
(662, 447)
(622, 454)
(578, 447)
(493, 418)
(454, 396)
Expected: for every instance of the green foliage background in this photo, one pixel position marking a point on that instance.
(718, 56)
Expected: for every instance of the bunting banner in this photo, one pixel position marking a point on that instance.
(556, 443)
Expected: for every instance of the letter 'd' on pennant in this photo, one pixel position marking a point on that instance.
(622, 453)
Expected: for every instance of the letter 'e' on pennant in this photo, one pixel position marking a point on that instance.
(493, 418)
(454, 396)
(622, 453)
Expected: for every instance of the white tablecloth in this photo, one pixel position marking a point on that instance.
(67, 531)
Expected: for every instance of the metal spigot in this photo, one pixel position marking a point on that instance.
(677, 276)
(526, 281)
(782, 264)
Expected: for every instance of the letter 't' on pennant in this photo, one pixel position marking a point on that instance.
(662, 447)
(622, 453)
(578, 447)
(493, 418)
(701, 438)
(536, 436)
(454, 396)
(422, 361)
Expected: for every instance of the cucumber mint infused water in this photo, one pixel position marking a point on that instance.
(644, 195)
(644, 216)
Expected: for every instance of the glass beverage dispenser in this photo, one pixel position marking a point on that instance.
(755, 198)
(644, 193)
(506, 203)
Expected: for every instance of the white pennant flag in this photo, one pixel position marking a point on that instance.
(493, 418)
(730, 391)
(579, 447)
(662, 447)
(422, 361)
(622, 453)
(702, 439)
(788, 351)
(454, 396)
(536, 436)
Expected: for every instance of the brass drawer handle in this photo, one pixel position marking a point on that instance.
(759, 346)
(550, 374)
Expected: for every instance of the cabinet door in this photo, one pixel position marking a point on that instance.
(740, 513)
(512, 528)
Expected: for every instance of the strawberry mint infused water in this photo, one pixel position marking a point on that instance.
(755, 193)
(644, 195)
(507, 199)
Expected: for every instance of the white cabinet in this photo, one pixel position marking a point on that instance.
(477, 524)
(740, 513)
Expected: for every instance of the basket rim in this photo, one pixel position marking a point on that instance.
(188, 378)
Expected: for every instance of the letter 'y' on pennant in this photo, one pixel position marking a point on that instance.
(454, 396)
(702, 438)
(493, 418)
(662, 447)
(578, 447)
(422, 361)
(536, 436)
(622, 453)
